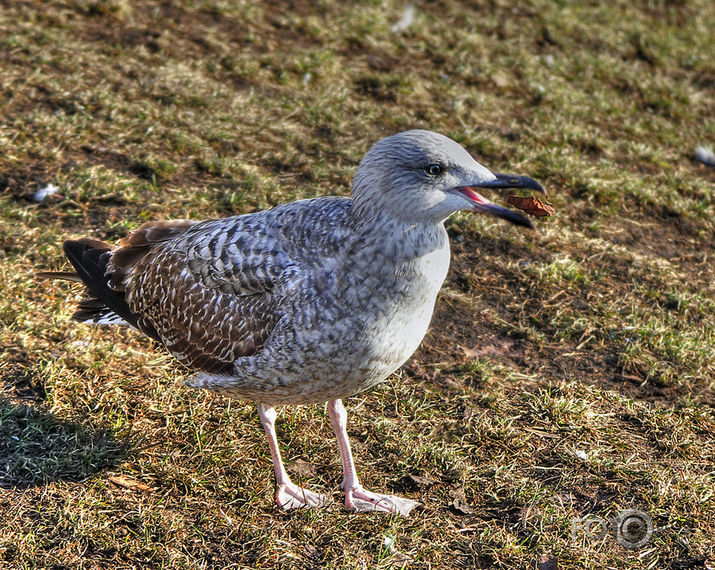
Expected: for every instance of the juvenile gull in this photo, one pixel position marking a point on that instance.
(310, 301)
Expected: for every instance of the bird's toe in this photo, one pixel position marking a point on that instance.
(294, 497)
(360, 500)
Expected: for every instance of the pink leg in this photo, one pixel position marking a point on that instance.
(357, 498)
(288, 494)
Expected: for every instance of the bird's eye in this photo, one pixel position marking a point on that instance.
(434, 169)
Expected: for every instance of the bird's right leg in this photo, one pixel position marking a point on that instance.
(356, 497)
(288, 494)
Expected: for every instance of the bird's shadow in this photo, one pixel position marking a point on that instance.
(37, 448)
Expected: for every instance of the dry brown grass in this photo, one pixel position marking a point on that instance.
(568, 372)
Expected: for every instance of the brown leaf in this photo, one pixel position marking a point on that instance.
(400, 560)
(421, 481)
(128, 483)
(302, 468)
(496, 348)
(532, 205)
(461, 507)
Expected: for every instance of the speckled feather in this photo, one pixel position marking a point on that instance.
(309, 301)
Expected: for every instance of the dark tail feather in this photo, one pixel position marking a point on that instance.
(95, 311)
(65, 275)
(89, 258)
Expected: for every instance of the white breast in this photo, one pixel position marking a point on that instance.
(400, 330)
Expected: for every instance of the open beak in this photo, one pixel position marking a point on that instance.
(481, 204)
(513, 181)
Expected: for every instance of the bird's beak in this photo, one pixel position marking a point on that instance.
(481, 204)
(513, 181)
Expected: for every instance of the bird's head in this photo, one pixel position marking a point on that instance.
(422, 176)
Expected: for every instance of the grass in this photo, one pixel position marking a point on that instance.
(568, 372)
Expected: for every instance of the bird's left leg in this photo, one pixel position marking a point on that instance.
(288, 494)
(357, 498)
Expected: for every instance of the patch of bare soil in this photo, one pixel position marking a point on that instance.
(493, 319)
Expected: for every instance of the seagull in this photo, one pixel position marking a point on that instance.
(307, 302)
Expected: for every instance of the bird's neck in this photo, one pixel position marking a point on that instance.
(380, 234)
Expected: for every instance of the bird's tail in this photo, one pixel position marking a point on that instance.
(102, 305)
(103, 272)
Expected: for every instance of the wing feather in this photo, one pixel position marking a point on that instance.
(208, 293)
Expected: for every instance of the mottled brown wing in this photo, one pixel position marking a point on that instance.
(207, 321)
